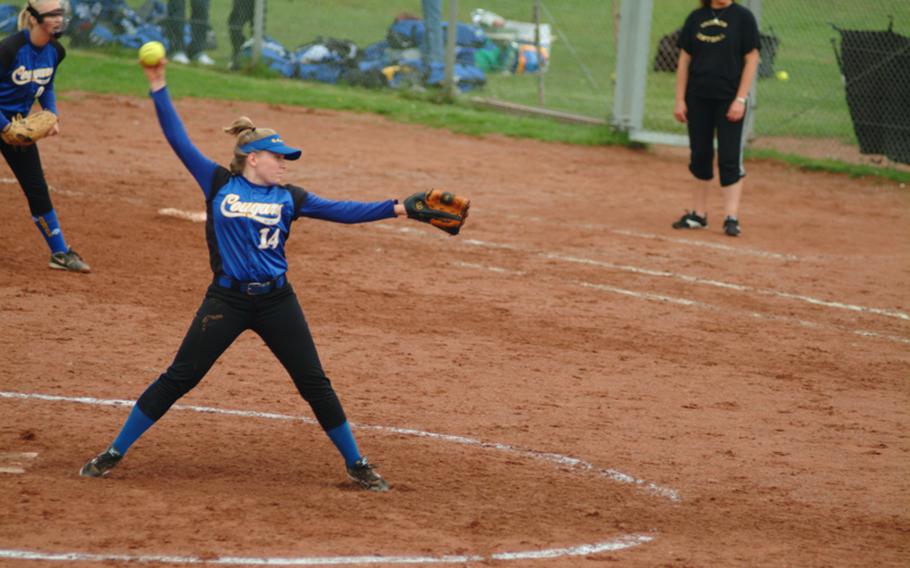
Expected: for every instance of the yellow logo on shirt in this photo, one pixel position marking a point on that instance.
(714, 22)
(710, 38)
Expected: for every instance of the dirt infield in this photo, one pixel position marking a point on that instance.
(726, 401)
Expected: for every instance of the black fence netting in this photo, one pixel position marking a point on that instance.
(876, 70)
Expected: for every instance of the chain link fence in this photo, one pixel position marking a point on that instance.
(372, 43)
(834, 79)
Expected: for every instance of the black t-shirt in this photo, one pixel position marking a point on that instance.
(718, 40)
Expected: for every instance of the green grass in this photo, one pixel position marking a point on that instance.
(810, 104)
(586, 25)
(117, 72)
(830, 166)
(105, 73)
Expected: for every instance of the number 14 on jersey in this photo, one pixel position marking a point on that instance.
(266, 241)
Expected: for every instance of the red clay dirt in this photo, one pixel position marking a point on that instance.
(764, 379)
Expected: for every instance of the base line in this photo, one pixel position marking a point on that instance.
(559, 459)
(671, 275)
(620, 543)
(199, 217)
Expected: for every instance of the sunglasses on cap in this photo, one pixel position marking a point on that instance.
(58, 13)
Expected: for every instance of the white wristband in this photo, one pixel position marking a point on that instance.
(741, 100)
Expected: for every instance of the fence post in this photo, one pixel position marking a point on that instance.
(754, 6)
(540, 84)
(258, 25)
(449, 84)
(632, 64)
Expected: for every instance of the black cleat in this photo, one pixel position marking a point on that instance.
(731, 226)
(691, 221)
(69, 260)
(364, 475)
(102, 464)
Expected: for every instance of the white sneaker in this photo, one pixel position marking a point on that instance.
(180, 57)
(204, 59)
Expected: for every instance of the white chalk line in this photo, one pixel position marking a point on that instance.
(559, 459)
(677, 240)
(676, 276)
(633, 269)
(695, 304)
(690, 242)
(756, 315)
(621, 543)
(194, 216)
(729, 286)
(18, 456)
(12, 461)
(497, 269)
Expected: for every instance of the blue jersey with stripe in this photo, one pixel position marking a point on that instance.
(27, 73)
(247, 224)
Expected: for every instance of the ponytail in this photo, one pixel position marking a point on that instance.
(23, 22)
(246, 132)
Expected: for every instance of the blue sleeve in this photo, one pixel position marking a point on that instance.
(346, 211)
(48, 99)
(202, 168)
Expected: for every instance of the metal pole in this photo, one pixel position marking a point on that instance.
(449, 83)
(755, 6)
(540, 90)
(615, 26)
(612, 85)
(632, 64)
(258, 25)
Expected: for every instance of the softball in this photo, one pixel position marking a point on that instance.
(151, 53)
(783, 75)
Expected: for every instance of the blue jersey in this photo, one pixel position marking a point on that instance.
(247, 224)
(27, 73)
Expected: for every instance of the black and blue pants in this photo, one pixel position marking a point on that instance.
(26, 165)
(226, 313)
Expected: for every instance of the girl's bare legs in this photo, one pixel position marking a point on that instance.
(732, 194)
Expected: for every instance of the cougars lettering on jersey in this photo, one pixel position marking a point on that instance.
(265, 213)
(27, 73)
(42, 76)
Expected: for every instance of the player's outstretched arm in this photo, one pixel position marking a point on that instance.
(202, 168)
(316, 207)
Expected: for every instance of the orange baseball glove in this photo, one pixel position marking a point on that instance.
(441, 209)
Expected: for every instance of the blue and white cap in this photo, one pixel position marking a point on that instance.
(272, 143)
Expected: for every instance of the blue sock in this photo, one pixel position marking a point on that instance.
(343, 439)
(50, 230)
(135, 426)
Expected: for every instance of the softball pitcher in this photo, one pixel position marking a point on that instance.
(28, 64)
(249, 216)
